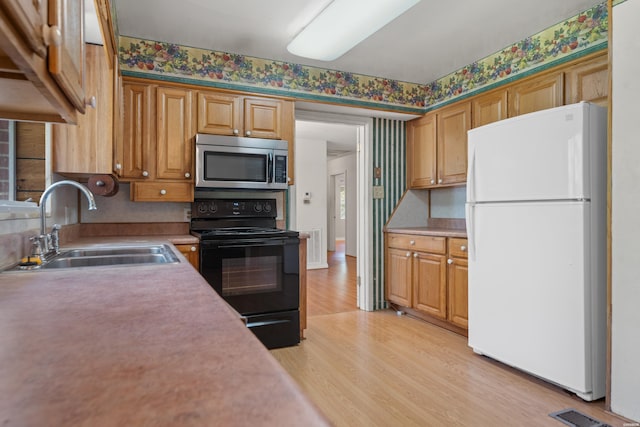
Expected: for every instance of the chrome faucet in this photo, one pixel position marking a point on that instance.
(45, 243)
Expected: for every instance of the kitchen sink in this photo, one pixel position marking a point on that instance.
(109, 255)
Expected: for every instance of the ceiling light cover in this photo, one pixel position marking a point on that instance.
(343, 24)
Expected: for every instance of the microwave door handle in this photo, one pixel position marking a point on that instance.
(270, 168)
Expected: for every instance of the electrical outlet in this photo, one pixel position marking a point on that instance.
(378, 192)
(187, 215)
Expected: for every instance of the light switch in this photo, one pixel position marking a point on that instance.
(378, 192)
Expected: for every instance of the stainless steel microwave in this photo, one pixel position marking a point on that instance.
(241, 163)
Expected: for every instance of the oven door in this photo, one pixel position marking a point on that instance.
(253, 275)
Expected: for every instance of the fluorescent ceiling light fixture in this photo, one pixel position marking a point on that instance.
(343, 24)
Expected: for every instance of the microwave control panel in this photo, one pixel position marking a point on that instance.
(280, 166)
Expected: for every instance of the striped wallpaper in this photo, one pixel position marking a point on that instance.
(389, 150)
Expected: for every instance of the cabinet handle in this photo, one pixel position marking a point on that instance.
(412, 242)
(187, 175)
(433, 181)
(52, 35)
(163, 191)
(90, 102)
(440, 181)
(449, 261)
(248, 133)
(193, 248)
(145, 173)
(463, 248)
(415, 255)
(236, 131)
(408, 254)
(118, 166)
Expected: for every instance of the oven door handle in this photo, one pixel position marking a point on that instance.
(278, 242)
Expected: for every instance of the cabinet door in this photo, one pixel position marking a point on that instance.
(430, 284)
(537, 94)
(453, 124)
(191, 253)
(66, 52)
(28, 17)
(488, 108)
(158, 191)
(174, 157)
(263, 118)
(87, 148)
(219, 114)
(589, 82)
(421, 152)
(458, 274)
(399, 266)
(134, 143)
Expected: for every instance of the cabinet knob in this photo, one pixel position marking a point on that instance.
(415, 255)
(118, 166)
(236, 131)
(187, 175)
(433, 181)
(193, 248)
(440, 181)
(163, 191)
(248, 133)
(449, 261)
(463, 248)
(52, 35)
(145, 173)
(412, 242)
(90, 102)
(408, 254)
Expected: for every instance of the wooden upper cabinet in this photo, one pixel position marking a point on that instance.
(42, 60)
(228, 114)
(537, 94)
(133, 145)
(421, 151)
(175, 135)
(263, 118)
(219, 114)
(453, 124)
(588, 82)
(66, 54)
(488, 108)
(87, 148)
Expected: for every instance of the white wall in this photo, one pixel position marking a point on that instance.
(448, 202)
(348, 166)
(625, 239)
(311, 177)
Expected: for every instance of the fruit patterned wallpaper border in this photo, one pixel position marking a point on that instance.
(579, 35)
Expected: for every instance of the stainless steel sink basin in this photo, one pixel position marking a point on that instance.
(110, 255)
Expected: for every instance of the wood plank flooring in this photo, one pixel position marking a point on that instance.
(380, 369)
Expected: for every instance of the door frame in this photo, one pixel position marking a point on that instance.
(364, 172)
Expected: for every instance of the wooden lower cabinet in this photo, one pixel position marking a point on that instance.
(427, 276)
(192, 253)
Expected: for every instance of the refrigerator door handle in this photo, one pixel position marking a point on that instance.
(471, 241)
(471, 176)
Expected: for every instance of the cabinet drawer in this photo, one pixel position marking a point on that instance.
(419, 243)
(458, 247)
(162, 191)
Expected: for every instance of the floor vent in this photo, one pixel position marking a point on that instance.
(573, 418)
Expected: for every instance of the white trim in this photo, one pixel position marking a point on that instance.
(365, 205)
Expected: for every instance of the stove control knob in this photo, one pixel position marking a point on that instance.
(257, 207)
(267, 207)
(202, 208)
(213, 207)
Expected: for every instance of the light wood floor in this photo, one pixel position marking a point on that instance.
(379, 369)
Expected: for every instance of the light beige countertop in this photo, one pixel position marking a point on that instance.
(135, 345)
(429, 231)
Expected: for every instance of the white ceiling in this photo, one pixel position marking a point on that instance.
(430, 40)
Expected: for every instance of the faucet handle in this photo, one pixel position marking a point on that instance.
(55, 238)
(39, 245)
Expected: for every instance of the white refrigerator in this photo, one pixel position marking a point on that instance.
(536, 223)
